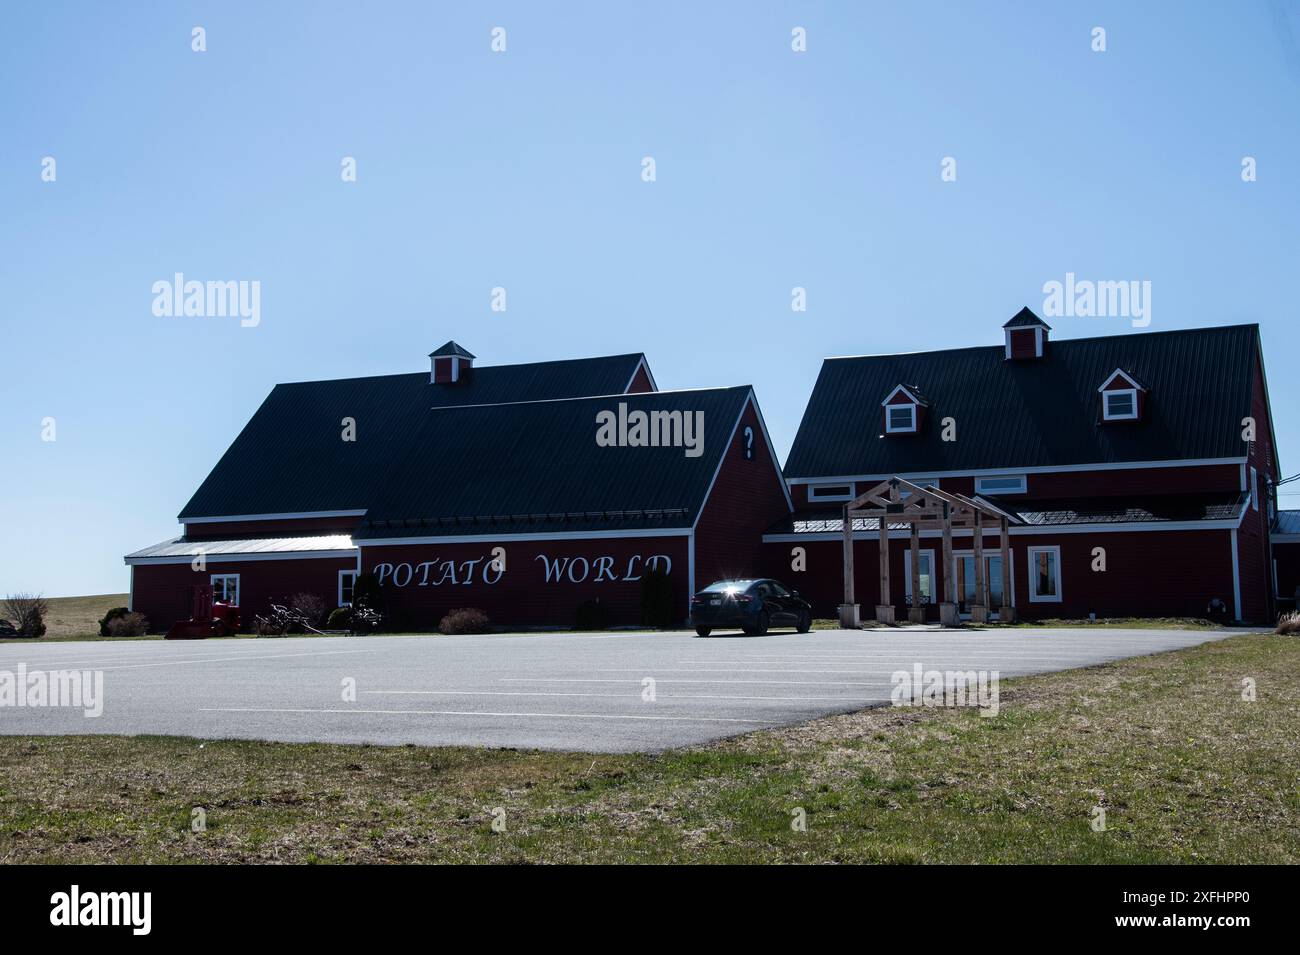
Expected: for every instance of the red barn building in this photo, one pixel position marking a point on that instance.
(521, 490)
(1137, 472)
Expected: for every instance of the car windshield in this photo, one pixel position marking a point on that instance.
(728, 586)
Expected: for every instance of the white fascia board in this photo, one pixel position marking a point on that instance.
(269, 517)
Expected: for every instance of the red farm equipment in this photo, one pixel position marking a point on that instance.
(207, 619)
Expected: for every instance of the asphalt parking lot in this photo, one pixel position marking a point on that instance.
(552, 691)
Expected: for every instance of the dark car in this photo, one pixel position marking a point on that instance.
(751, 605)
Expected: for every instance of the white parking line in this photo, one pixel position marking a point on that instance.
(615, 696)
(246, 656)
(566, 716)
(530, 679)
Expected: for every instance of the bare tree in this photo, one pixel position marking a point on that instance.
(27, 613)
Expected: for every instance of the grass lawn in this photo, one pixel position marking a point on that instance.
(1186, 770)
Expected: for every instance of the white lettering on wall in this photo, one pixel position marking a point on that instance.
(556, 570)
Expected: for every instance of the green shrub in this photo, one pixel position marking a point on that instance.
(590, 615)
(128, 625)
(465, 620)
(109, 617)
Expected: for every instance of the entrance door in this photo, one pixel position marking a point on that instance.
(965, 570)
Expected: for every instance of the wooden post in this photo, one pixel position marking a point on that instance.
(979, 613)
(884, 609)
(1008, 609)
(948, 615)
(849, 609)
(916, 613)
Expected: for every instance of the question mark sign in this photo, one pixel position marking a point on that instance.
(749, 443)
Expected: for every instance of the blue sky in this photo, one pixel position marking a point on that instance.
(522, 169)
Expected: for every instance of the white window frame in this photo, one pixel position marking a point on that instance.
(1032, 574)
(1105, 404)
(814, 496)
(889, 419)
(354, 574)
(212, 582)
(1021, 488)
(926, 554)
(1254, 488)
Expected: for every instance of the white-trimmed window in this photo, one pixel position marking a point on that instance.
(1045, 574)
(900, 418)
(1254, 488)
(225, 589)
(1120, 405)
(830, 492)
(927, 576)
(347, 582)
(1002, 484)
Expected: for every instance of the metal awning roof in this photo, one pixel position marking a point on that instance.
(180, 547)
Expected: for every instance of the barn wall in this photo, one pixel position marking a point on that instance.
(419, 588)
(640, 382)
(1074, 484)
(1148, 574)
(162, 591)
(747, 498)
(1253, 546)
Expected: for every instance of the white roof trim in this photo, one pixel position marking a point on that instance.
(270, 517)
(654, 386)
(905, 390)
(1120, 372)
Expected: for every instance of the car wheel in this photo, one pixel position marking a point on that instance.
(805, 622)
(703, 631)
(761, 627)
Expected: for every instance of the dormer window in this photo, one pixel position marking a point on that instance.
(1122, 397)
(901, 418)
(903, 408)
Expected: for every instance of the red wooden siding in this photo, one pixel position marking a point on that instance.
(1253, 548)
(161, 591)
(640, 382)
(1167, 573)
(523, 594)
(1024, 343)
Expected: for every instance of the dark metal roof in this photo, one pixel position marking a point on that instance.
(1100, 510)
(451, 348)
(536, 467)
(1035, 413)
(1025, 319)
(290, 458)
(1288, 522)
